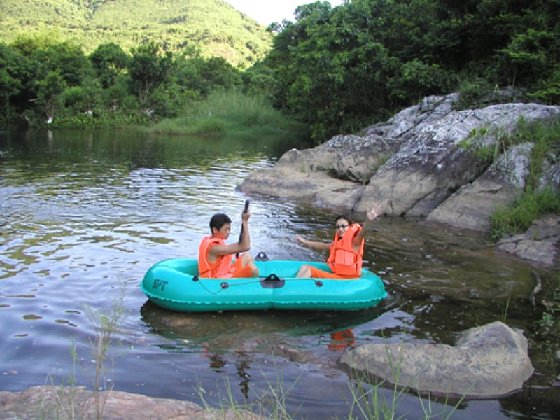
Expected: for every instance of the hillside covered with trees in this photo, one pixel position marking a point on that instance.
(211, 26)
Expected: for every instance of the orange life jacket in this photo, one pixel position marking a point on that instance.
(343, 259)
(222, 268)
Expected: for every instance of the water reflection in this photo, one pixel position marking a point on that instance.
(243, 330)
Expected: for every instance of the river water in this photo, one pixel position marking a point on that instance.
(85, 214)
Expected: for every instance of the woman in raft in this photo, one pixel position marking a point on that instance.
(346, 250)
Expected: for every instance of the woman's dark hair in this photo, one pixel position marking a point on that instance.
(218, 220)
(342, 216)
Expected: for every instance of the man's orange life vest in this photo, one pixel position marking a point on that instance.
(343, 259)
(222, 268)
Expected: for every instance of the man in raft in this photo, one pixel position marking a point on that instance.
(345, 251)
(215, 258)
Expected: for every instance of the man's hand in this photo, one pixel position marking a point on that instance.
(245, 216)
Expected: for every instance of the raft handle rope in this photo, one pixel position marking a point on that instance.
(270, 281)
(224, 285)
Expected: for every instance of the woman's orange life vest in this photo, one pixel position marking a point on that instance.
(343, 259)
(222, 268)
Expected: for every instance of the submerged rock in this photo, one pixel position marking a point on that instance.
(487, 361)
(540, 244)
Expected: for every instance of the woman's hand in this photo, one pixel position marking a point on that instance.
(374, 212)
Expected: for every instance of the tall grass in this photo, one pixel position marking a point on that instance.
(547, 328)
(370, 399)
(545, 136)
(529, 207)
(106, 326)
(272, 403)
(68, 405)
(228, 112)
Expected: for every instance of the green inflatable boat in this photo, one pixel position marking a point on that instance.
(174, 284)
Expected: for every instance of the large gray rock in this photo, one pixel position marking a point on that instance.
(56, 402)
(433, 162)
(317, 188)
(487, 361)
(472, 206)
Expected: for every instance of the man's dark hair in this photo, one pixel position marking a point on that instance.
(218, 220)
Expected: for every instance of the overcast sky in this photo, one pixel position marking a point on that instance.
(267, 11)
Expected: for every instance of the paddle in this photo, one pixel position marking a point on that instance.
(245, 210)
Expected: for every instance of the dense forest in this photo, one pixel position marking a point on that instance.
(340, 69)
(334, 69)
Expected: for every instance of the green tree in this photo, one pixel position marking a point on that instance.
(340, 69)
(420, 79)
(332, 72)
(10, 85)
(51, 68)
(84, 99)
(528, 54)
(49, 92)
(118, 97)
(21, 67)
(67, 59)
(548, 89)
(109, 62)
(200, 76)
(148, 68)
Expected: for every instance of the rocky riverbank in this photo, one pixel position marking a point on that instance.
(487, 361)
(425, 163)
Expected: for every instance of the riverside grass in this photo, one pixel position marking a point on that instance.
(535, 200)
(230, 112)
(370, 400)
(547, 328)
(67, 405)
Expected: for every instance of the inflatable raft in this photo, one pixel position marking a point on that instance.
(174, 284)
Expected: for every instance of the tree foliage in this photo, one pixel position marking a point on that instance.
(148, 68)
(109, 61)
(41, 81)
(339, 69)
(212, 25)
(334, 69)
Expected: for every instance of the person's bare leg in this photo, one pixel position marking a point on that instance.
(247, 260)
(304, 272)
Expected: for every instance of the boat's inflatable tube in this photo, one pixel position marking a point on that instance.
(174, 284)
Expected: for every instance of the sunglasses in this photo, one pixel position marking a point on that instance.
(341, 226)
